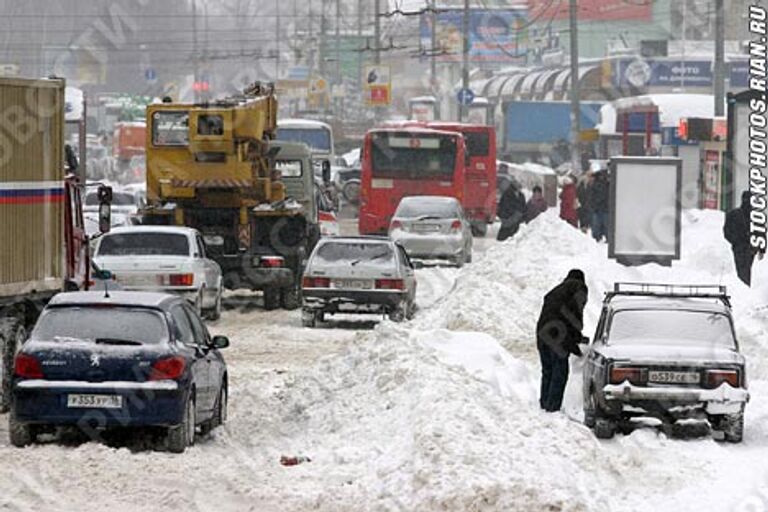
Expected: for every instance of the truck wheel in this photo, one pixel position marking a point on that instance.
(271, 299)
(290, 298)
(351, 192)
(308, 318)
(12, 335)
(605, 428)
(21, 434)
(180, 436)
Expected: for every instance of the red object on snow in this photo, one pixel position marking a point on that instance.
(568, 204)
(293, 461)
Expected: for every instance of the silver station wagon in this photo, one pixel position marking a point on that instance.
(667, 352)
(358, 275)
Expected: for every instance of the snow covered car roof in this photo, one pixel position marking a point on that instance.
(620, 303)
(115, 298)
(179, 230)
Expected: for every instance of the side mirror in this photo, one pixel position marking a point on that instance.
(326, 172)
(105, 217)
(220, 342)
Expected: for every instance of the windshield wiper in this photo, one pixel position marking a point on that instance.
(116, 341)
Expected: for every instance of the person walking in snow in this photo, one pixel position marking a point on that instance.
(582, 193)
(736, 231)
(511, 211)
(536, 205)
(599, 201)
(568, 202)
(558, 334)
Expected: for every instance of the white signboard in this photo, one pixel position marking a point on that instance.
(645, 213)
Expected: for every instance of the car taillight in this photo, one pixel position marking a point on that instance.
(315, 282)
(181, 279)
(714, 378)
(27, 367)
(390, 284)
(396, 224)
(633, 375)
(272, 261)
(456, 225)
(170, 368)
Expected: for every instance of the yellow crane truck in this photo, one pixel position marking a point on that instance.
(215, 167)
(43, 245)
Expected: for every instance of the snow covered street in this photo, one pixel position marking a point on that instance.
(436, 414)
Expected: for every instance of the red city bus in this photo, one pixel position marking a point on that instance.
(480, 182)
(400, 162)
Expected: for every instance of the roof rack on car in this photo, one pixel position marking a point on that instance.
(699, 291)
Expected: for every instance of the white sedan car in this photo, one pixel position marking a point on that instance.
(162, 258)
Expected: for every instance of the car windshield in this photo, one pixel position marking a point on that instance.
(118, 199)
(144, 244)
(356, 253)
(413, 209)
(678, 327)
(101, 323)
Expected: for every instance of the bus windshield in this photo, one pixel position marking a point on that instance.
(413, 156)
(318, 139)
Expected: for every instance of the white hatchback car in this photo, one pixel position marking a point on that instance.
(162, 258)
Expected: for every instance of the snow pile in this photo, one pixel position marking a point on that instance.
(434, 420)
(502, 293)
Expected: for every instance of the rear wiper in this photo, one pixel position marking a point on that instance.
(116, 341)
(429, 217)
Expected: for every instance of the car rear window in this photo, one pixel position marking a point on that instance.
(420, 207)
(664, 327)
(355, 253)
(97, 322)
(144, 244)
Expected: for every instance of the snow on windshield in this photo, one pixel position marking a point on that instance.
(670, 327)
(366, 253)
(144, 244)
(91, 323)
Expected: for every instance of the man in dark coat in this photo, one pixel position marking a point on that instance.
(558, 334)
(736, 231)
(599, 192)
(536, 205)
(511, 211)
(582, 193)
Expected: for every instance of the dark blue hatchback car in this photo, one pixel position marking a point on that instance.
(125, 359)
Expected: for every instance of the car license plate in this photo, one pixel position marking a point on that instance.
(426, 228)
(667, 377)
(355, 284)
(95, 401)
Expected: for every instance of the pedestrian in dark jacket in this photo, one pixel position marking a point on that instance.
(736, 231)
(536, 205)
(568, 201)
(599, 203)
(511, 211)
(558, 334)
(582, 193)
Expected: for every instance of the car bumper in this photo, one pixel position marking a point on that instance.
(156, 403)
(430, 246)
(722, 400)
(362, 301)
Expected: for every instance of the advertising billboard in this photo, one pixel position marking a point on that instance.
(495, 36)
(595, 10)
(645, 214)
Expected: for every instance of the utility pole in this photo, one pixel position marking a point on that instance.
(575, 93)
(376, 32)
(719, 59)
(278, 40)
(337, 100)
(465, 59)
(323, 29)
(433, 43)
(196, 60)
(360, 4)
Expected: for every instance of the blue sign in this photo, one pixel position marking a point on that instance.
(639, 73)
(465, 97)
